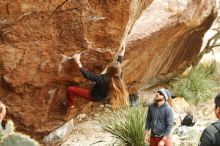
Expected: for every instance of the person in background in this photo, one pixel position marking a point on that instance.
(211, 135)
(159, 121)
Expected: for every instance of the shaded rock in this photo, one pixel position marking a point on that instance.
(60, 134)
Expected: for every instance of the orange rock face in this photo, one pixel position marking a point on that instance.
(160, 39)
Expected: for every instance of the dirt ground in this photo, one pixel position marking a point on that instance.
(88, 133)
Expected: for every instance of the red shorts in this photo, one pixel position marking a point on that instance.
(155, 140)
(72, 92)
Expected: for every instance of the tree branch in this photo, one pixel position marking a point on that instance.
(216, 46)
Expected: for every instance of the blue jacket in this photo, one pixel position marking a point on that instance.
(159, 119)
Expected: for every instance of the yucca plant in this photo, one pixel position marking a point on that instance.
(198, 85)
(126, 125)
(10, 138)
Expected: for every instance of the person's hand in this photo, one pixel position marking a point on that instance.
(161, 143)
(3, 113)
(77, 57)
(146, 139)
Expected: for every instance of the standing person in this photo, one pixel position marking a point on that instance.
(159, 120)
(107, 85)
(211, 135)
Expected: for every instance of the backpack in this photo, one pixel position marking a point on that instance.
(188, 120)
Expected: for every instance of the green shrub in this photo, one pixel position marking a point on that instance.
(10, 138)
(127, 125)
(217, 73)
(198, 85)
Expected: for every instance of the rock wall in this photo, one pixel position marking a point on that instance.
(165, 40)
(160, 39)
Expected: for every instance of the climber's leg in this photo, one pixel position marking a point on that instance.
(73, 91)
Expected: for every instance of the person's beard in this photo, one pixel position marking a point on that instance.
(156, 101)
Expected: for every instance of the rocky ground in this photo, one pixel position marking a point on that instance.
(87, 131)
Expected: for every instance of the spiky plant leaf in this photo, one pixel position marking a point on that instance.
(198, 86)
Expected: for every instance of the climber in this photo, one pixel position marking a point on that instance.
(108, 85)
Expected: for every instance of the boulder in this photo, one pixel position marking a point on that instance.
(160, 38)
